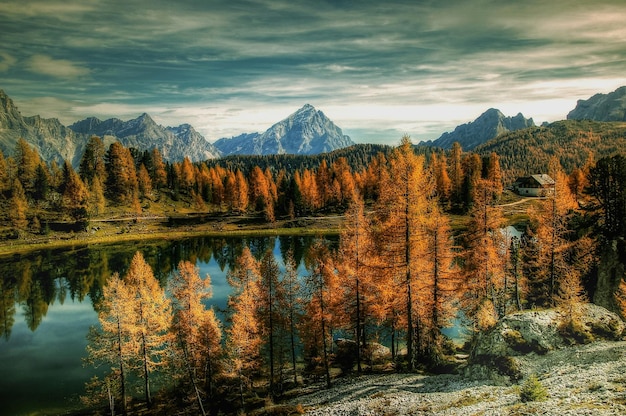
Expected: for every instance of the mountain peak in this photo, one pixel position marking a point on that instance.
(305, 113)
(6, 103)
(144, 118)
(307, 131)
(492, 112)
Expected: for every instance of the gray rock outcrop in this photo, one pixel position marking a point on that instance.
(49, 137)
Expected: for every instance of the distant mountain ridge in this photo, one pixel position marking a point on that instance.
(487, 126)
(174, 143)
(305, 132)
(601, 107)
(54, 141)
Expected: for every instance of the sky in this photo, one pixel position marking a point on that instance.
(377, 69)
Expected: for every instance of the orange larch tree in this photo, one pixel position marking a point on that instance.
(441, 285)
(549, 217)
(122, 185)
(291, 306)
(112, 343)
(270, 295)
(401, 211)
(485, 264)
(18, 205)
(144, 182)
(319, 319)
(196, 351)
(158, 172)
(241, 193)
(75, 194)
(150, 319)
(243, 340)
(456, 173)
(355, 272)
(439, 169)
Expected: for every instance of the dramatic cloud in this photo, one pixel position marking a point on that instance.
(58, 68)
(378, 69)
(6, 61)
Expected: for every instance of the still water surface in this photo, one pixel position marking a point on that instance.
(46, 309)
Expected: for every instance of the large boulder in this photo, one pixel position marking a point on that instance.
(521, 333)
(495, 352)
(377, 353)
(374, 352)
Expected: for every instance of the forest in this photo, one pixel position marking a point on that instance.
(400, 274)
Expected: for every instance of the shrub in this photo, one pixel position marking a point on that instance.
(532, 390)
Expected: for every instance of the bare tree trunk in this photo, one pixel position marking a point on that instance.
(271, 330)
(409, 299)
(111, 398)
(358, 324)
(241, 393)
(325, 347)
(146, 371)
(193, 379)
(293, 345)
(122, 373)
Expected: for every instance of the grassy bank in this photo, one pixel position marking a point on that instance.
(122, 227)
(128, 230)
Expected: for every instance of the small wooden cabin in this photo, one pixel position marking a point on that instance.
(534, 185)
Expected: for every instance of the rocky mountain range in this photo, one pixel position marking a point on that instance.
(305, 132)
(601, 107)
(487, 126)
(175, 143)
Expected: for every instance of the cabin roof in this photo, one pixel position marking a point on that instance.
(539, 180)
(543, 179)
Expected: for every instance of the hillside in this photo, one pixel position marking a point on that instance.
(572, 141)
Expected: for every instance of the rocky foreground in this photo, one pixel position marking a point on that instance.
(581, 379)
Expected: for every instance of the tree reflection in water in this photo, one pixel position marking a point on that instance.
(47, 298)
(37, 280)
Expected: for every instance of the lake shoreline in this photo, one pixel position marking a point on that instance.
(143, 228)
